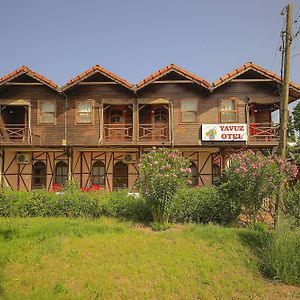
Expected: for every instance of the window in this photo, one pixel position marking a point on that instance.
(189, 111)
(160, 115)
(116, 116)
(47, 112)
(216, 169)
(84, 112)
(194, 173)
(39, 175)
(98, 173)
(61, 172)
(228, 111)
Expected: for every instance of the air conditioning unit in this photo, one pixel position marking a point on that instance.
(129, 158)
(23, 158)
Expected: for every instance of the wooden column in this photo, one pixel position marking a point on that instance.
(135, 112)
(101, 124)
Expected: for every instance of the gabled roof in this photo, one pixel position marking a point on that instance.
(172, 68)
(251, 66)
(92, 71)
(34, 75)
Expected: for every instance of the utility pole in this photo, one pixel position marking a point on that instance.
(284, 103)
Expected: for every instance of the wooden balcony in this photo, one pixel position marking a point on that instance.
(153, 132)
(14, 134)
(263, 134)
(118, 133)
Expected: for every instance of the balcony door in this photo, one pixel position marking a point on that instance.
(160, 123)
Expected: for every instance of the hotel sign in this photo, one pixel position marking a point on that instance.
(224, 132)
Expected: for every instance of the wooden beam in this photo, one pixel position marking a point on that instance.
(24, 83)
(252, 80)
(173, 81)
(96, 83)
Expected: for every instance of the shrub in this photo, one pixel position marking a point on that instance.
(121, 205)
(252, 178)
(203, 205)
(162, 172)
(292, 203)
(12, 203)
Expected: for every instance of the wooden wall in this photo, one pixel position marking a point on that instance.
(42, 134)
(184, 134)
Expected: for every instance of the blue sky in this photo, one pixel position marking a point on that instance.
(134, 38)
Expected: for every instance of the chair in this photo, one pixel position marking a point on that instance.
(56, 187)
(95, 187)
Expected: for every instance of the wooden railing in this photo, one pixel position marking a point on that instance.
(118, 132)
(14, 133)
(153, 131)
(263, 132)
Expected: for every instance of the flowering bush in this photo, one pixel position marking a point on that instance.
(253, 178)
(162, 172)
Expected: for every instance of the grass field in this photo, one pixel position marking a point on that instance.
(46, 258)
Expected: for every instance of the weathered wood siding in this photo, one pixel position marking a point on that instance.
(42, 134)
(88, 134)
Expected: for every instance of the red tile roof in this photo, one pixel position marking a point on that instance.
(251, 66)
(27, 71)
(92, 71)
(202, 82)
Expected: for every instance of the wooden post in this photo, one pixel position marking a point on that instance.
(135, 112)
(284, 105)
(101, 124)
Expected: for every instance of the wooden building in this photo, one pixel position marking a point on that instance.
(94, 128)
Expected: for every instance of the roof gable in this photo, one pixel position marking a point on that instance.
(19, 73)
(260, 72)
(165, 72)
(103, 76)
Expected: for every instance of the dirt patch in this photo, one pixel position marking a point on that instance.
(147, 228)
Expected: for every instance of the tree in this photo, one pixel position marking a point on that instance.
(296, 118)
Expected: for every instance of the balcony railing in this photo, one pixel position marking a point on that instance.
(263, 132)
(118, 132)
(14, 134)
(153, 131)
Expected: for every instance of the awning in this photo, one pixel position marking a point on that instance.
(14, 102)
(264, 100)
(153, 101)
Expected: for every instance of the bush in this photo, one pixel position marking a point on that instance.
(73, 203)
(121, 205)
(203, 205)
(292, 203)
(252, 178)
(162, 173)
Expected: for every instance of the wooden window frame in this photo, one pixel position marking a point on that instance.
(236, 109)
(93, 176)
(182, 111)
(77, 112)
(39, 122)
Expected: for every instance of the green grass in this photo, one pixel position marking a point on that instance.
(44, 258)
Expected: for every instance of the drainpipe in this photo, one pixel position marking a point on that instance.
(67, 147)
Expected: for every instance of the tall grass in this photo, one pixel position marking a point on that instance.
(281, 254)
